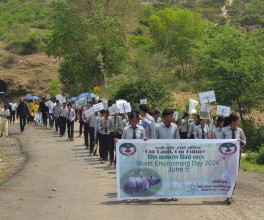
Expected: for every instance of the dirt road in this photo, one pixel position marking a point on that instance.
(61, 181)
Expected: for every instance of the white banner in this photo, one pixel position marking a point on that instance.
(176, 168)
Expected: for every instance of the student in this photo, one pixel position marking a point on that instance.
(202, 131)
(22, 111)
(116, 129)
(134, 130)
(167, 129)
(185, 125)
(12, 112)
(99, 115)
(63, 115)
(218, 130)
(232, 131)
(80, 119)
(4, 114)
(195, 122)
(104, 130)
(70, 121)
(86, 124)
(50, 106)
(147, 122)
(156, 116)
(92, 132)
(56, 114)
(43, 109)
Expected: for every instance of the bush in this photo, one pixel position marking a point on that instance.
(158, 94)
(8, 61)
(260, 158)
(252, 157)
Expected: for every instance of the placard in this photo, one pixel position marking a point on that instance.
(205, 108)
(223, 110)
(60, 98)
(192, 106)
(124, 107)
(89, 112)
(204, 115)
(175, 116)
(98, 107)
(207, 97)
(176, 168)
(143, 101)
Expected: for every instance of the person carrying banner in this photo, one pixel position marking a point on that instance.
(218, 130)
(168, 130)
(194, 123)
(232, 131)
(202, 131)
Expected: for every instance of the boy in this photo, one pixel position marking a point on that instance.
(70, 121)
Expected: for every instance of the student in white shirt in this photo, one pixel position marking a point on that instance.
(13, 107)
(148, 122)
(218, 130)
(70, 121)
(202, 131)
(194, 123)
(156, 116)
(104, 130)
(4, 115)
(63, 115)
(185, 125)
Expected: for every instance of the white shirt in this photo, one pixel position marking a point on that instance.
(129, 132)
(164, 132)
(201, 132)
(13, 106)
(4, 113)
(218, 133)
(239, 134)
(71, 114)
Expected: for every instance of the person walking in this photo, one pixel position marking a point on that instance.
(4, 115)
(22, 112)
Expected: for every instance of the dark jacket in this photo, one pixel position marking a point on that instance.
(22, 109)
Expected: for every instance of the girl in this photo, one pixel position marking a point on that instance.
(202, 131)
(218, 130)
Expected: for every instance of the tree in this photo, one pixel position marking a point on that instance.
(90, 36)
(54, 87)
(230, 64)
(177, 32)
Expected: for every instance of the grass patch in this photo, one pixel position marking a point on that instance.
(245, 164)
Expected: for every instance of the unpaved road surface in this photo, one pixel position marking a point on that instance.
(61, 181)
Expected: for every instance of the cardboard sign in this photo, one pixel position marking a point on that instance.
(175, 116)
(207, 97)
(223, 110)
(59, 97)
(143, 101)
(124, 107)
(192, 106)
(113, 109)
(205, 108)
(204, 115)
(98, 107)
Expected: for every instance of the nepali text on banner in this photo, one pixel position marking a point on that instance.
(176, 168)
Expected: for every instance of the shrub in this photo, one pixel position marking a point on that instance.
(8, 61)
(157, 93)
(260, 158)
(252, 157)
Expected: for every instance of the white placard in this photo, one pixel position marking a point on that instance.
(205, 108)
(143, 101)
(98, 107)
(223, 110)
(112, 110)
(59, 97)
(207, 97)
(175, 116)
(124, 107)
(192, 106)
(48, 96)
(64, 100)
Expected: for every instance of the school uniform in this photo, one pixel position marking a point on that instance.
(92, 132)
(80, 118)
(202, 132)
(4, 115)
(237, 133)
(158, 120)
(168, 132)
(51, 116)
(12, 112)
(96, 131)
(70, 122)
(133, 133)
(104, 130)
(184, 128)
(149, 127)
(63, 115)
(218, 133)
(86, 125)
(116, 130)
(192, 128)
(56, 115)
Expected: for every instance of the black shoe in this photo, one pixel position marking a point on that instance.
(229, 201)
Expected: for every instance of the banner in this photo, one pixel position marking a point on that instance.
(176, 168)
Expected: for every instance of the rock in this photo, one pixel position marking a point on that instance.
(54, 189)
(50, 197)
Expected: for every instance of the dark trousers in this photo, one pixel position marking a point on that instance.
(104, 145)
(112, 145)
(22, 120)
(91, 137)
(86, 133)
(184, 135)
(51, 120)
(70, 128)
(12, 117)
(62, 125)
(81, 127)
(45, 119)
(57, 123)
